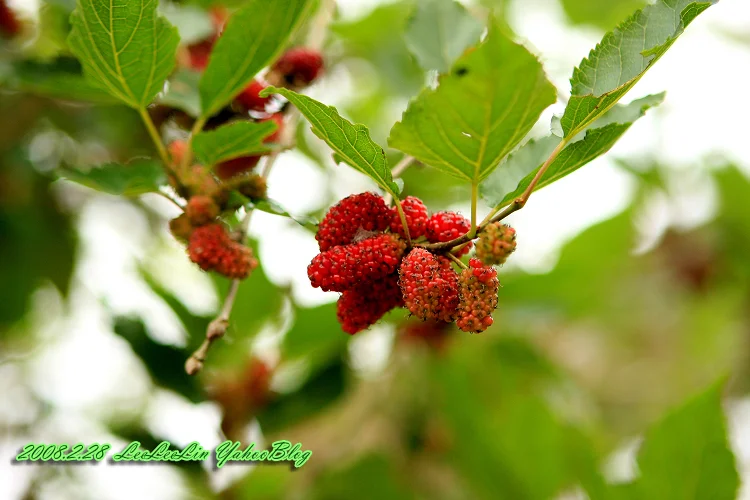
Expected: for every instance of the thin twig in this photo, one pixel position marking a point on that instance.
(170, 198)
(457, 261)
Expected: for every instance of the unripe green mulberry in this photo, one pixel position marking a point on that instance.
(496, 243)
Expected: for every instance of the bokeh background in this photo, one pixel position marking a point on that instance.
(629, 291)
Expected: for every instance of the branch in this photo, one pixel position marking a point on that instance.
(155, 136)
(494, 216)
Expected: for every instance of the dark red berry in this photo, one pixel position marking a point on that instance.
(355, 215)
(478, 287)
(249, 98)
(362, 306)
(416, 218)
(429, 286)
(236, 166)
(213, 249)
(278, 118)
(299, 66)
(346, 266)
(9, 25)
(447, 226)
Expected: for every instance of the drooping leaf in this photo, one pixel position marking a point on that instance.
(60, 79)
(125, 47)
(622, 57)
(580, 151)
(479, 112)
(604, 15)
(273, 207)
(133, 179)
(687, 454)
(252, 38)
(439, 32)
(241, 138)
(351, 142)
(182, 92)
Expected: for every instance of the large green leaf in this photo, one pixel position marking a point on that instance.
(351, 142)
(125, 47)
(59, 79)
(479, 112)
(241, 138)
(622, 57)
(687, 456)
(439, 32)
(192, 23)
(252, 38)
(133, 179)
(580, 151)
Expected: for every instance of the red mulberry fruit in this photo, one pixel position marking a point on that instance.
(278, 118)
(362, 306)
(447, 226)
(429, 286)
(416, 218)
(236, 166)
(299, 66)
(213, 249)
(201, 210)
(496, 243)
(249, 98)
(365, 212)
(478, 288)
(346, 266)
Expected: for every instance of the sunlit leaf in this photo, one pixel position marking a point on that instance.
(136, 178)
(125, 47)
(240, 138)
(478, 113)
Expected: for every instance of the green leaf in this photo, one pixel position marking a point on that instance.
(439, 32)
(600, 14)
(580, 151)
(182, 92)
(241, 138)
(480, 111)
(622, 57)
(273, 207)
(60, 79)
(133, 179)
(125, 47)
(316, 334)
(252, 38)
(687, 456)
(351, 142)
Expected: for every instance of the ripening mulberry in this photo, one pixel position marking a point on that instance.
(249, 99)
(299, 66)
(236, 166)
(358, 213)
(345, 266)
(416, 218)
(362, 306)
(181, 228)
(213, 249)
(478, 288)
(496, 243)
(201, 210)
(254, 187)
(429, 286)
(447, 226)
(277, 118)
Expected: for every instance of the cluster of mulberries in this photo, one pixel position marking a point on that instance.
(208, 190)
(213, 249)
(364, 255)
